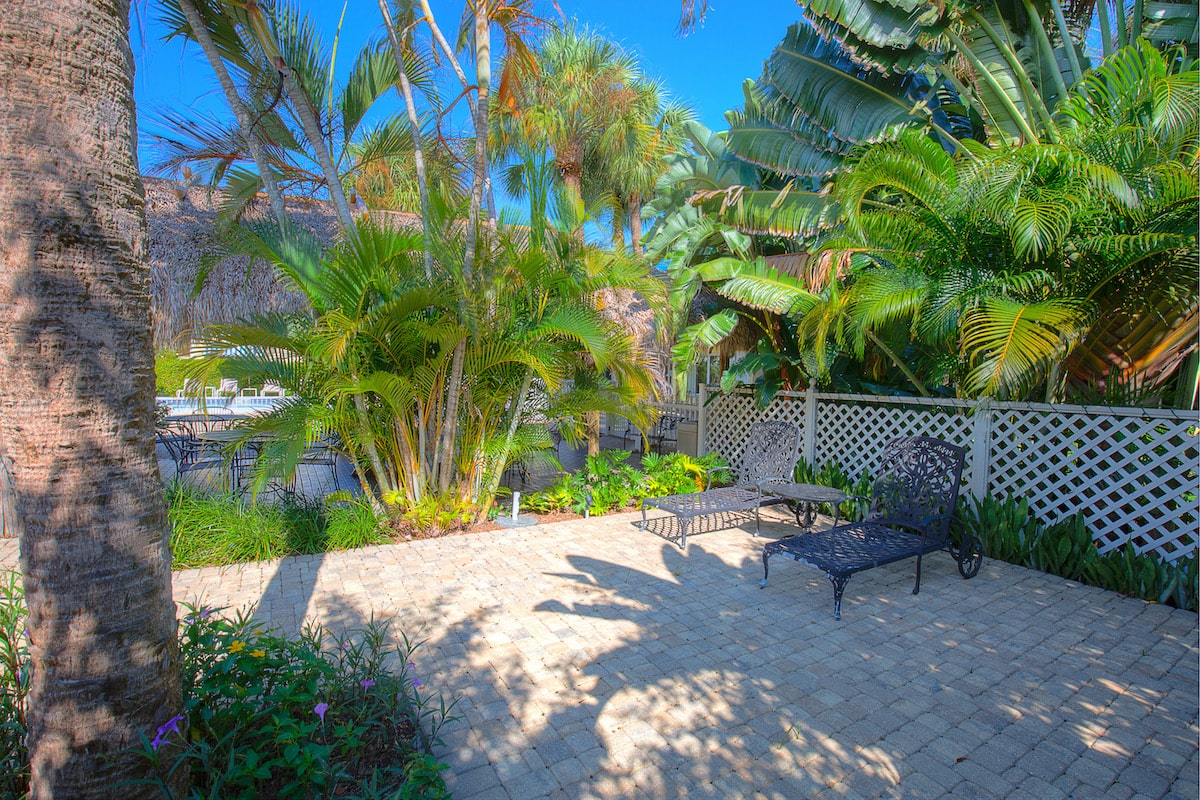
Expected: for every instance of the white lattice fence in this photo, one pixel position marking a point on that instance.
(685, 410)
(728, 419)
(852, 429)
(1131, 472)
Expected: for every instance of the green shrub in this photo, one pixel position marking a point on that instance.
(605, 483)
(14, 687)
(679, 473)
(169, 372)
(1005, 526)
(436, 515)
(217, 530)
(1010, 532)
(858, 490)
(316, 717)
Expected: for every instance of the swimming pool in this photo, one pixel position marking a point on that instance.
(236, 405)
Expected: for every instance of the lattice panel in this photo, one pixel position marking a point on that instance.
(1133, 477)
(852, 434)
(729, 418)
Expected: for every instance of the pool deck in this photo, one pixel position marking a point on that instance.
(594, 660)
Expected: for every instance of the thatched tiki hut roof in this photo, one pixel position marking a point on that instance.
(182, 226)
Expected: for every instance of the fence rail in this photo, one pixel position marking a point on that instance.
(1132, 472)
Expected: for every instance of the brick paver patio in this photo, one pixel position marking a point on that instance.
(593, 660)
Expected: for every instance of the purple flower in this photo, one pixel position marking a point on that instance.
(164, 730)
(319, 709)
(367, 684)
(416, 681)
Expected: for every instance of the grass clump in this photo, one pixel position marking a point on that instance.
(216, 530)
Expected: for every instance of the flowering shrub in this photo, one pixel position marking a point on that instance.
(264, 716)
(320, 716)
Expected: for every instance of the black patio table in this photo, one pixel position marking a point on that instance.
(806, 496)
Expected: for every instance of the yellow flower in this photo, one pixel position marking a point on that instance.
(237, 647)
(258, 653)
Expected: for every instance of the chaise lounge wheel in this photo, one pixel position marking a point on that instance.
(970, 557)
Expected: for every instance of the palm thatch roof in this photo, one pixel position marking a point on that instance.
(182, 225)
(182, 231)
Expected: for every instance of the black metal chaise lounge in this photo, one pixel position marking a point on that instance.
(772, 449)
(912, 508)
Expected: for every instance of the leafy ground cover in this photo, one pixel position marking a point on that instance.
(218, 530)
(264, 716)
(607, 483)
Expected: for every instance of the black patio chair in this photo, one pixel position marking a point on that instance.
(772, 449)
(187, 452)
(911, 514)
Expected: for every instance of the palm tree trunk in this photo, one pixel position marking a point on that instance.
(514, 421)
(462, 77)
(201, 34)
(635, 223)
(76, 421)
(483, 72)
(895, 359)
(405, 89)
(450, 420)
(312, 131)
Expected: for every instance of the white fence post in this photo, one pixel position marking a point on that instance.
(981, 448)
(702, 420)
(808, 449)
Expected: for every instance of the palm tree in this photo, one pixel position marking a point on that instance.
(79, 473)
(1013, 268)
(373, 362)
(311, 142)
(633, 153)
(582, 86)
(200, 32)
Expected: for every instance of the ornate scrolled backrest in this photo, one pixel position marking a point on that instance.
(772, 449)
(918, 479)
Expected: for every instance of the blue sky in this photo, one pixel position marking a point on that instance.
(705, 69)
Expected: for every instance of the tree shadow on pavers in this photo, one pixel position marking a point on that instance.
(685, 694)
(670, 527)
(645, 672)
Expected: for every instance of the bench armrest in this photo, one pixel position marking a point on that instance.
(708, 473)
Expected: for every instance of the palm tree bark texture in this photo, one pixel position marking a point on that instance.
(76, 413)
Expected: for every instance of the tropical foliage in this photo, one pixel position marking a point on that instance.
(321, 715)
(371, 364)
(1011, 229)
(313, 133)
(609, 483)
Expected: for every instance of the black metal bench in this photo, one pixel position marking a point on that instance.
(912, 510)
(772, 449)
